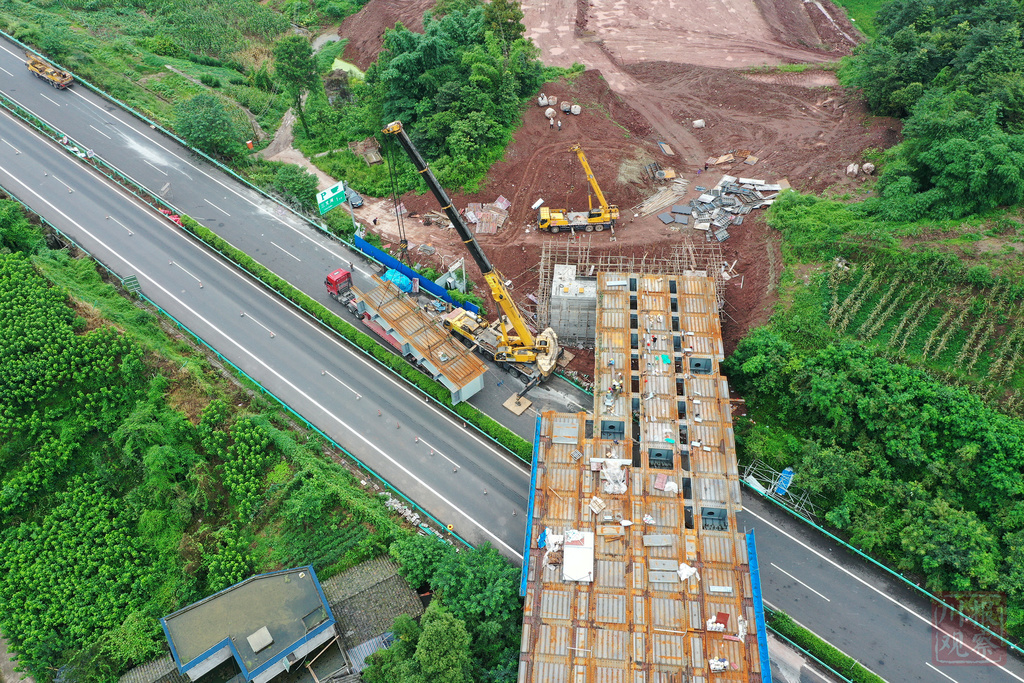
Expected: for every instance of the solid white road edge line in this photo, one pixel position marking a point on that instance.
(883, 594)
(255, 358)
(328, 246)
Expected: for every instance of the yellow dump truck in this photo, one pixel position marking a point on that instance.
(55, 77)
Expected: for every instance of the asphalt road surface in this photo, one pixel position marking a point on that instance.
(876, 619)
(262, 228)
(449, 470)
(418, 448)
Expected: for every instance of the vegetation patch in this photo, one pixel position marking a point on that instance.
(845, 665)
(467, 634)
(116, 508)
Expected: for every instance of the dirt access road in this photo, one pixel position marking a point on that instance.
(611, 35)
(654, 66)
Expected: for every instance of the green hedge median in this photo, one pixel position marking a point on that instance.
(504, 436)
(843, 664)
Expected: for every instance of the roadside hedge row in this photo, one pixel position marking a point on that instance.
(504, 436)
(843, 664)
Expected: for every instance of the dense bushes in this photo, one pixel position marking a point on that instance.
(114, 512)
(485, 625)
(920, 473)
(204, 122)
(458, 88)
(957, 72)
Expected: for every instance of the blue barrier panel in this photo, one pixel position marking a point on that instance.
(529, 510)
(391, 262)
(755, 585)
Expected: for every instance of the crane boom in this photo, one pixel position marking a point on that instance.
(590, 175)
(604, 216)
(499, 292)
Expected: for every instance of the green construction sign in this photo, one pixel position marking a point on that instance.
(331, 197)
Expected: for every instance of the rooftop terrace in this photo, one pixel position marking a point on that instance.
(282, 607)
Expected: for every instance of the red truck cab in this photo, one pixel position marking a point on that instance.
(338, 283)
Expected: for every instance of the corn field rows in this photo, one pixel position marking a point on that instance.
(911, 319)
(945, 329)
(983, 338)
(839, 319)
(836, 277)
(1014, 404)
(1007, 361)
(884, 309)
(981, 332)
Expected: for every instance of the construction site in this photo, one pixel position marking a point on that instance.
(635, 568)
(649, 257)
(671, 109)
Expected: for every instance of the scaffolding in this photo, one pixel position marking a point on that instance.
(636, 566)
(561, 310)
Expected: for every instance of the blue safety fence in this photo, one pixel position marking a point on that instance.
(529, 510)
(910, 584)
(391, 262)
(157, 202)
(242, 373)
(755, 586)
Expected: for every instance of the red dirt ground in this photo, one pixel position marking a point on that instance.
(365, 29)
(802, 126)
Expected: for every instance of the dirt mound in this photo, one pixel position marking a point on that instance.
(365, 29)
(538, 164)
(807, 135)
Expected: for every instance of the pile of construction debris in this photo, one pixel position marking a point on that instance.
(743, 155)
(723, 205)
(369, 149)
(488, 218)
(665, 196)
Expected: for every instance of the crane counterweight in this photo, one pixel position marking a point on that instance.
(595, 218)
(508, 340)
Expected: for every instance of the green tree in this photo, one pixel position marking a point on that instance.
(419, 556)
(397, 664)
(443, 647)
(296, 184)
(952, 545)
(16, 233)
(205, 124)
(505, 19)
(295, 66)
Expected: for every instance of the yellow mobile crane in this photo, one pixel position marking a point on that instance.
(604, 216)
(507, 340)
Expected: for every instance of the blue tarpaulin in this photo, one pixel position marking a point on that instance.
(785, 479)
(403, 283)
(425, 284)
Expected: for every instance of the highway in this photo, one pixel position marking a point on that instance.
(434, 460)
(269, 233)
(874, 618)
